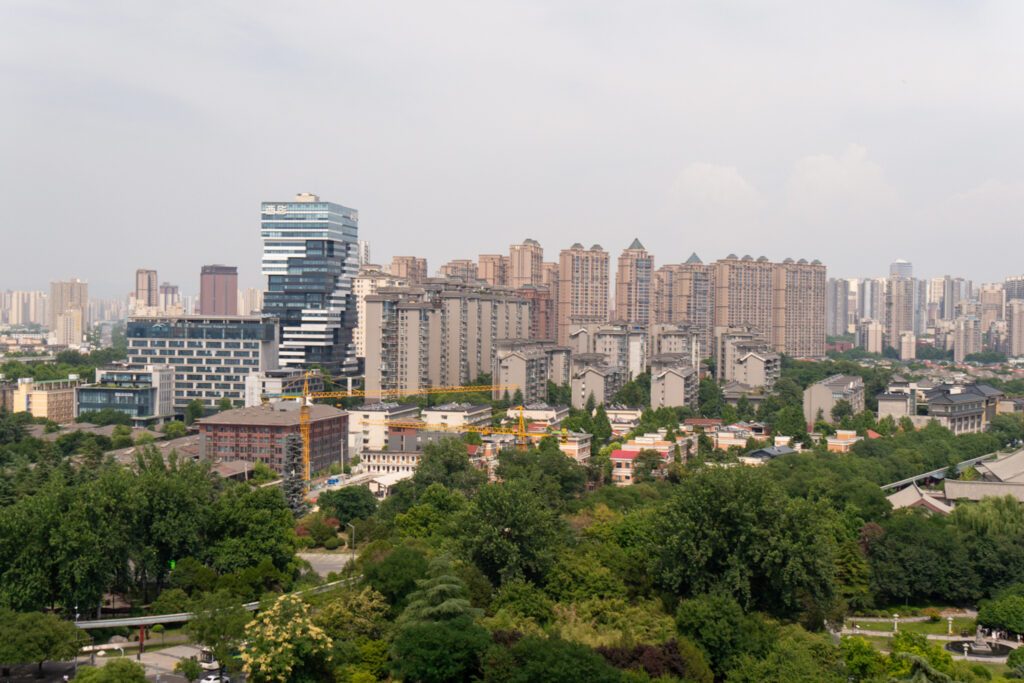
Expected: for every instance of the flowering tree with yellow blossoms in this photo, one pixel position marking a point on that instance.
(285, 646)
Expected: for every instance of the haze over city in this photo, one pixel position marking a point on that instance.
(854, 135)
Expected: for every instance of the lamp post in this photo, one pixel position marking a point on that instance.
(76, 640)
(895, 623)
(949, 631)
(352, 547)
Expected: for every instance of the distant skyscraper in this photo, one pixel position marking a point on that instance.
(899, 308)
(582, 288)
(525, 264)
(218, 290)
(309, 258)
(459, 269)
(1015, 327)
(634, 285)
(364, 252)
(146, 293)
(1014, 287)
(64, 296)
(901, 268)
(168, 296)
(250, 301)
(836, 307)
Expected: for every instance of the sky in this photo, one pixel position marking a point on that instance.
(139, 134)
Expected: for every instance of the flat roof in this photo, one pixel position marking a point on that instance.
(275, 415)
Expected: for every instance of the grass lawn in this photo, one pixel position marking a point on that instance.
(926, 627)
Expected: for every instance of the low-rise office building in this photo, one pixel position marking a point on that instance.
(54, 400)
(145, 393)
(257, 434)
(368, 428)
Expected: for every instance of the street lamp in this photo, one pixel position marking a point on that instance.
(949, 631)
(352, 546)
(895, 623)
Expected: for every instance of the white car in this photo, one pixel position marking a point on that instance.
(214, 678)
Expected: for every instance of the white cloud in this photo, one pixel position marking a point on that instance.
(829, 189)
(714, 193)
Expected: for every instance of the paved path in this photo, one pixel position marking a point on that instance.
(324, 563)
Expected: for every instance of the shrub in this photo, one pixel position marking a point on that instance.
(331, 544)
(932, 613)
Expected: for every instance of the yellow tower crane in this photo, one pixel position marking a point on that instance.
(306, 400)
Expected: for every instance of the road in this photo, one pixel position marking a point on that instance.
(324, 563)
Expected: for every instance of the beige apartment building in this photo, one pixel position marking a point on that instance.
(798, 308)
(685, 293)
(439, 334)
(967, 339)
(53, 400)
(582, 288)
(525, 264)
(634, 285)
(459, 269)
(73, 294)
(528, 365)
(674, 386)
(493, 269)
(743, 293)
(899, 309)
(410, 268)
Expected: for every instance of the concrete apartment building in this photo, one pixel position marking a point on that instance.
(908, 346)
(410, 268)
(634, 285)
(869, 335)
(967, 337)
(366, 283)
(677, 338)
(529, 365)
(211, 355)
(272, 383)
(543, 325)
(685, 294)
(674, 386)
(525, 264)
(822, 396)
(257, 435)
(582, 288)
(899, 309)
(743, 355)
(439, 334)
(218, 290)
(798, 308)
(598, 380)
(54, 400)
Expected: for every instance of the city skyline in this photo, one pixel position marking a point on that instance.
(707, 127)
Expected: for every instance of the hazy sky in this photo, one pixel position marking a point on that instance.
(145, 134)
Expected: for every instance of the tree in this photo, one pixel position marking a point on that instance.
(35, 637)
(734, 531)
(442, 596)
(602, 427)
(709, 398)
(283, 644)
(346, 504)
(439, 651)
(790, 421)
(447, 463)
(219, 624)
(114, 671)
(717, 625)
(294, 469)
(189, 669)
(175, 430)
(509, 533)
(796, 655)
(193, 411)
(394, 575)
(354, 614)
(863, 661)
(546, 660)
(224, 404)
(841, 410)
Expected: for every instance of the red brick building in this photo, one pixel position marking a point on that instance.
(257, 434)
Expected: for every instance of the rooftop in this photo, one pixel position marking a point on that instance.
(277, 414)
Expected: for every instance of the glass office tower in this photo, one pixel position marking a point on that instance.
(310, 255)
